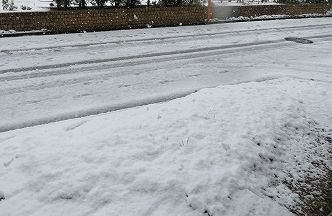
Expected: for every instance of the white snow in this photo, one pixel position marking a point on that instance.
(230, 149)
(28, 5)
(242, 2)
(266, 17)
(211, 55)
(43, 5)
(210, 151)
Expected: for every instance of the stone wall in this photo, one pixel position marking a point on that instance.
(261, 10)
(124, 18)
(102, 19)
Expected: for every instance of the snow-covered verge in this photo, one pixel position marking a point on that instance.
(231, 150)
(4, 33)
(267, 17)
(25, 5)
(242, 2)
(43, 5)
(271, 17)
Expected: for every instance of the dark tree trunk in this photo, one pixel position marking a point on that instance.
(66, 3)
(83, 4)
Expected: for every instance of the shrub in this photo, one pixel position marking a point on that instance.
(8, 5)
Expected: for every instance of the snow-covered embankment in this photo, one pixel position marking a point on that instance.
(221, 151)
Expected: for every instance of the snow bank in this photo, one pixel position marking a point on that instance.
(269, 17)
(242, 2)
(230, 150)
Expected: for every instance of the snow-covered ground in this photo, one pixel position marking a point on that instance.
(242, 2)
(225, 151)
(257, 123)
(269, 17)
(27, 5)
(43, 5)
(54, 77)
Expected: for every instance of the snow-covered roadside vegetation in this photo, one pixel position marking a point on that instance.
(232, 150)
(44, 5)
(24, 5)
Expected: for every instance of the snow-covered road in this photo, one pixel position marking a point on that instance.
(55, 77)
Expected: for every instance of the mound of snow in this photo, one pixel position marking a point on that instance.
(230, 150)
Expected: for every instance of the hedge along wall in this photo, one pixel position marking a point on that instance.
(260, 10)
(102, 19)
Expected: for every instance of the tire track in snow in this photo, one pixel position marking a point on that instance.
(133, 57)
(151, 57)
(106, 76)
(193, 36)
(131, 104)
